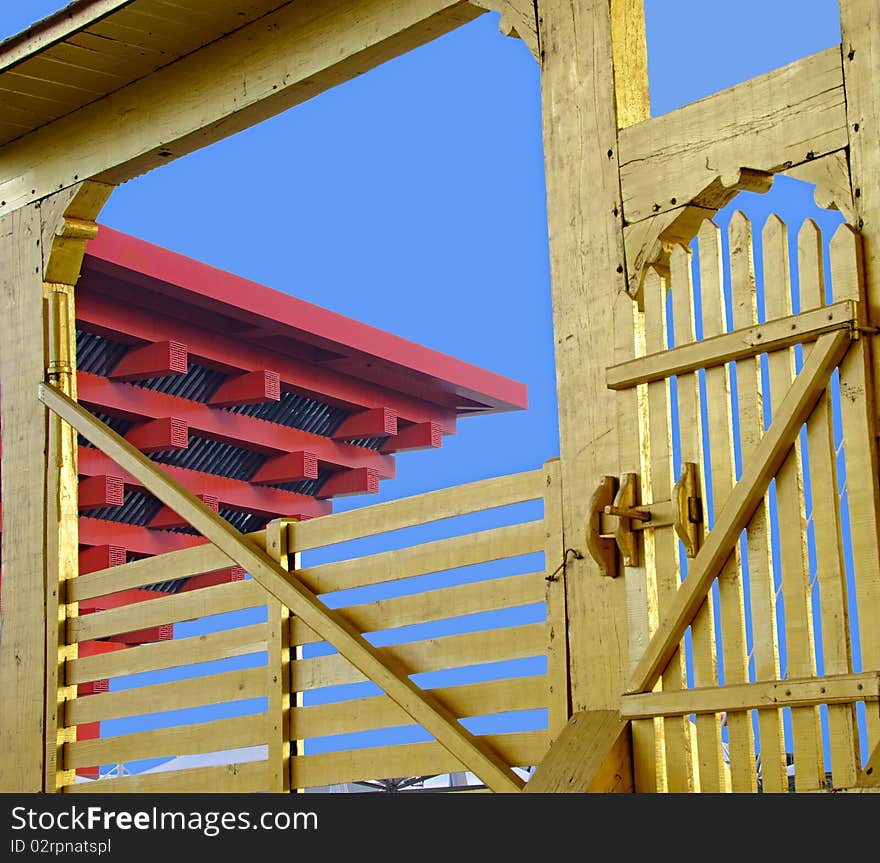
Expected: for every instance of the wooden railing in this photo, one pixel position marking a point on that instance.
(247, 697)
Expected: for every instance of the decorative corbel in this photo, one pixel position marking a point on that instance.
(648, 243)
(830, 175)
(517, 20)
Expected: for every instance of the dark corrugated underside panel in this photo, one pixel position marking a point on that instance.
(299, 412)
(213, 457)
(138, 507)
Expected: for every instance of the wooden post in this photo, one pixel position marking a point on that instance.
(23, 424)
(592, 313)
(278, 667)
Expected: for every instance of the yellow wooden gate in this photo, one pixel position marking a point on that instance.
(749, 539)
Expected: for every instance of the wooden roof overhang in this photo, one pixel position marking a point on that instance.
(109, 89)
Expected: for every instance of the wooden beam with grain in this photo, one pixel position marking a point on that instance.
(278, 61)
(769, 123)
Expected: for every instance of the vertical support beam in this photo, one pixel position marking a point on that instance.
(591, 310)
(278, 668)
(860, 43)
(556, 557)
(62, 533)
(23, 425)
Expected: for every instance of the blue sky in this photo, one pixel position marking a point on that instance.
(412, 198)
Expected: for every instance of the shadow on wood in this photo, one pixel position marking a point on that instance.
(593, 754)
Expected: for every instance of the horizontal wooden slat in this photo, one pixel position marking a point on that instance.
(413, 759)
(168, 654)
(213, 736)
(219, 599)
(496, 593)
(153, 570)
(837, 689)
(418, 509)
(194, 692)
(472, 699)
(246, 778)
(438, 556)
(738, 345)
(435, 654)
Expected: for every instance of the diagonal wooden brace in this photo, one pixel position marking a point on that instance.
(741, 504)
(473, 753)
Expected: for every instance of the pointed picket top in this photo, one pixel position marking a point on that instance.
(811, 278)
(847, 267)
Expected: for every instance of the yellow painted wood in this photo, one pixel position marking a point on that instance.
(23, 425)
(245, 778)
(418, 509)
(771, 120)
(553, 583)
(379, 711)
(705, 673)
(762, 590)
(413, 759)
(764, 696)
(152, 570)
(496, 593)
(192, 692)
(630, 58)
(62, 518)
(214, 736)
(825, 516)
(260, 70)
(219, 599)
(290, 592)
(790, 509)
(169, 654)
(278, 668)
(870, 775)
(857, 410)
(741, 744)
(746, 341)
(664, 542)
(577, 761)
(435, 654)
(430, 557)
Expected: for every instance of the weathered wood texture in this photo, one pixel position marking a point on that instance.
(256, 72)
(23, 423)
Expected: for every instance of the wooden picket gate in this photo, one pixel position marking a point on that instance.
(758, 554)
(253, 685)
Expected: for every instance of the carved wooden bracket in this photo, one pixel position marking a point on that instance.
(517, 20)
(830, 175)
(648, 242)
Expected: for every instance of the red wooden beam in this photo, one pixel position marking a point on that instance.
(103, 315)
(347, 482)
(159, 435)
(101, 557)
(152, 361)
(414, 437)
(167, 518)
(102, 490)
(137, 539)
(376, 422)
(248, 389)
(145, 636)
(134, 402)
(209, 579)
(230, 493)
(292, 467)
